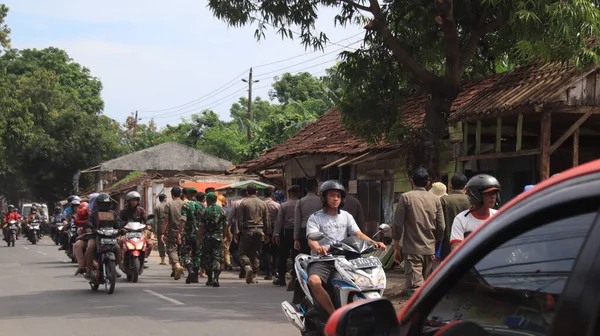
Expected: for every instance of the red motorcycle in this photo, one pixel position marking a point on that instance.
(135, 250)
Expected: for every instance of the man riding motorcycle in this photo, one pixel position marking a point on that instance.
(33, 215)
(133, 212)
(336, 224)
(10, 215)
(55, 219)
(103, 217)
(82, 215)
(71, 210)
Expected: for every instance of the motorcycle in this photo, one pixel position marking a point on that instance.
(105, 271)
(33, 231)
(13, 226)
(356, 278)
(70, 236)
(134, 250)
(57, 231)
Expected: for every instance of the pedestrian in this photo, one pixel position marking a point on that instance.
(483, 194)
(419, 223)
(305, 207)
(232, 222)
(283, 233)
(171, 235)
(200, 206)
(438, 189)
(252, 219)
(270, 252)
(159, 212)
(353, 206)
(189, 228)
(213, 231)
(452, 204)
(228, 236)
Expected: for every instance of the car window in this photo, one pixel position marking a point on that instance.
(518, 284)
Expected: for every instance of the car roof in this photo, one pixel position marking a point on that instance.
(582, 170)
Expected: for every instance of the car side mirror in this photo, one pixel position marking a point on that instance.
(316, 236)
(365, 317)
(384, 227)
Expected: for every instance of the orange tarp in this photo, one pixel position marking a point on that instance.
(201, 186)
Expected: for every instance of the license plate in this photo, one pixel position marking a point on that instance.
(133, 235)
(12, 227)
(365, 262)
(108, 241)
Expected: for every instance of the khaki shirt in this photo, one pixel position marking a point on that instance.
(419, 222)
(273, 208)
(305, 207)
(252, 214)
(159, 214)
(285, 216)
(172, 215)
(452, 204)
(353, 206)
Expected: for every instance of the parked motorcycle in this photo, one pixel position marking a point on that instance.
(134, 250)
(105, 271)
(356, 278)
(33, 231)
(13, 226)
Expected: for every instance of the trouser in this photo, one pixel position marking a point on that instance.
(172, 249)
(286, 246)
(226, 253)
(251, 243)
(191, 253)
(304, 248)
(149, 242)
(161, 245)
(269, 256)
(416, 269)
(234, 249)
(212, 254)
(90, 253)
(78, 251)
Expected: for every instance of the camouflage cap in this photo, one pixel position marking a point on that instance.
(211, 196)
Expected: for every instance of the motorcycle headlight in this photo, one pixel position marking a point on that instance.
(374, 281)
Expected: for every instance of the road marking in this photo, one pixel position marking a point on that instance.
(42, 253)
(166, 298)
(25, 247)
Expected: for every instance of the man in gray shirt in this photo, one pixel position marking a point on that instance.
(305, 207)
(283, 234)
(353, 206)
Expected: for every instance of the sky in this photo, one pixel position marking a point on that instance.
(168, 60)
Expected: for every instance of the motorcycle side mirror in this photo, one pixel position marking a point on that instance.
(384, 227)
(365, 317)
(316, 236)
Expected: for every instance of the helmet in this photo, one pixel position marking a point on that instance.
(10, 206)
(84, 204)
(72, 197)
(76, 201)
(222, 199)
(57, 209)
(82, 212)
(103, 201)
(480, 184)
(34, 208)
(332, 185)
(133, 195)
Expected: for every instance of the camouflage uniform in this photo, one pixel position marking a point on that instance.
(214, 224)
(190, 251)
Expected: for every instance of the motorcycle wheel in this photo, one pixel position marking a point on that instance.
(13, 238)
(136, 270)
(111, 276)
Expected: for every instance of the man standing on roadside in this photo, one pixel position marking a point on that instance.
(232, 222)
(353, 206)
(283, 234)
(419, 222)
(252, 223)
(171, 235)
(270, 249)
(159, 212)
(305, 207)
(452, 204)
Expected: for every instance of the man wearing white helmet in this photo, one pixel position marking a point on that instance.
(133, 212)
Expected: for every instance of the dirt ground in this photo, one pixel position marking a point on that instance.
(395, 286)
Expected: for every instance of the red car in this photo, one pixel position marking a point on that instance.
(532, 269)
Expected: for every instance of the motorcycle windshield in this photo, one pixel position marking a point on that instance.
(356, 245)
(134, 226)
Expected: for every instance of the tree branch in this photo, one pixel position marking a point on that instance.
(425, 77)
(451, 41)
(357, 6)
(477, 33)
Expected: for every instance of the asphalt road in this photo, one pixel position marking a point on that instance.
(40, 296)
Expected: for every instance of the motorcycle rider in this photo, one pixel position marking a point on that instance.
(10, 215)
(70, 213)
(133, 212)
(56, 218)
(336, 224)
(483, 192)
(33, 215)
(69, 209)
(82, 215)
(104, 217)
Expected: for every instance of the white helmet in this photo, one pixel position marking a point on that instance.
(133, 195)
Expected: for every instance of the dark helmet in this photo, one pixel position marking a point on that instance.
(71, 198)
(57, 209)
(332, 185)
(480, 184)
(103, 201)
(33, 208)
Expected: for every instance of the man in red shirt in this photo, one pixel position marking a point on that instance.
(12, 214)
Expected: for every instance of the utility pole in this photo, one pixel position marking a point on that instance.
(135, 120)
(250, 82)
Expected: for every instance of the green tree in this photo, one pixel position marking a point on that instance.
(429, 45)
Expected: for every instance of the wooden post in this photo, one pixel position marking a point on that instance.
(498, 135)
(576, 148)
(519, 132)
(478, 138)
(465, 147)
(545, 146)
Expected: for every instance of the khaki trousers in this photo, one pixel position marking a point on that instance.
(416, 269)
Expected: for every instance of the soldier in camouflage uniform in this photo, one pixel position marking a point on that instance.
(213, 225)
(190, 249)
(200, 206)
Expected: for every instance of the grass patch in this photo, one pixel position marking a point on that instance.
(130, 177)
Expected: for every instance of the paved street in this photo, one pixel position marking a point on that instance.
(39, 295)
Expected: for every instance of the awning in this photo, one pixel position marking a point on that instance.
(244, 184)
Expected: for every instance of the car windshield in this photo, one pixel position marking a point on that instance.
(519, 278)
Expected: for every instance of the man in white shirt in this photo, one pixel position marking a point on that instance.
(483, 193)
(337, 224)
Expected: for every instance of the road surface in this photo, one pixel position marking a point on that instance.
(40, 296)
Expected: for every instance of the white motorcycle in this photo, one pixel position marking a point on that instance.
(356, 278)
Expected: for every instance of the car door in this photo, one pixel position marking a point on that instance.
(514, 272)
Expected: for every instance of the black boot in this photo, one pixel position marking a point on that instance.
(190, 276)
(216, 279)
(196, 274)
(242, 273)
(172, 273)
(209, 275)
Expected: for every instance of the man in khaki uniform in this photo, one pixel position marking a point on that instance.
(252, 221)
(171, 235)
(419, 222)
(452, 204)
(283, 233)
(232, 223)
(159, 212)
(270, 249)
